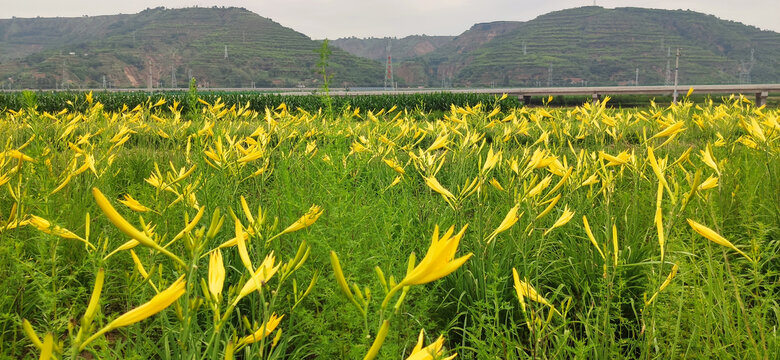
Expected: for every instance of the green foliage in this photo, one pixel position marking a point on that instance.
(30, 100)
(192, 98)
(53, 102)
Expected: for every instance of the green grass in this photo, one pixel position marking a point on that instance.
(718, 306)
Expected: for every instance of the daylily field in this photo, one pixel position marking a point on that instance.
(482, 232)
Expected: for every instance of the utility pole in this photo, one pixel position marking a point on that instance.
(676, 72)
(150, 75)
(225, 51)
(525, 50)
(669, 65)
(104, 81)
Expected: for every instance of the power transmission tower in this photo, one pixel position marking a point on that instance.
(150, 75)
(225, 51)
(668, 80)
(549, 76)
(64, 74)
(745, 68)
(104, 81)
(173, 76)
(389, 68)
(636, 79)
(525, 49)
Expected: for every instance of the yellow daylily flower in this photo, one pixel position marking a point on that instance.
(621, 159)
(664, 284)
(550, 206)
(715, 237)
(304, 221)
(133, 204)
(264, 272)
(30, 333)
(593, 179)
(395, 166)
(18, 155)
(128, 229)
(491, 160)
(438, 261)
(496, 184)
(591, 237)
(509, 220)
(525, 290)
(47, 349)
(439, 143)
(216, 274)
(562, 220)
(373, 351)
(670, 130)
(711, 182)
(158, 303)
(709, 159)
(430, 352)
(434, 184)
(263, 331)
(45, 226)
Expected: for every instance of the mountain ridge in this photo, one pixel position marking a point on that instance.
(224, 47)
(599, 46)
(233, 47)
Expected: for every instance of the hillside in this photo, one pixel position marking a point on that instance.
(168, 45)
(597, 46)
(401, 49)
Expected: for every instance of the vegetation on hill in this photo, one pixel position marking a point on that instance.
(597, 46)
(409, 47)
(221, 47)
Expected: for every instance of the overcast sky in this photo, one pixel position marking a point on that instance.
(379, 18)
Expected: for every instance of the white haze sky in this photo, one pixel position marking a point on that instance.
(396, 18)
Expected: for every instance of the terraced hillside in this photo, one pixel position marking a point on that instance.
(129, 49)
(401, 49)
(601, 46)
